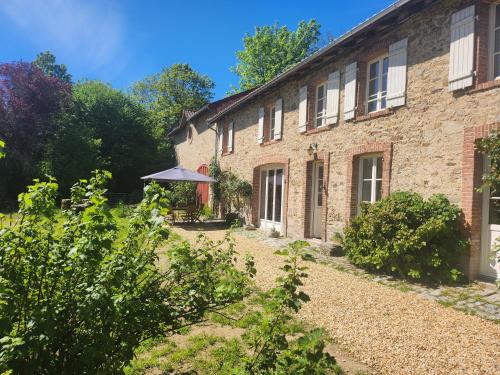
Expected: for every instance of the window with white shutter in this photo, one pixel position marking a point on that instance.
(462, 49)
(260, 133)
(396, 76)
(350, 91)
(332, 98)
(230, 137)
(278, 119)
(303, 109)
(376, 88)
(320, 106)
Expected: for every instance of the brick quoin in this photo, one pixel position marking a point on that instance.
(472, 170)
(262, 162)
(351, 200)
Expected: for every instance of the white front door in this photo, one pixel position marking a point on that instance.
(317, 199)
(271, 198)
(490, 233)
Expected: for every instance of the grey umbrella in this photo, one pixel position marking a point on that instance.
(178, 174)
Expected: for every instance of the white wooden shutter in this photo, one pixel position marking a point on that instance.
(221, 139)
(350, 90)
(303, 109)
(260, 135)
(332, 98)
(396, 76)
(230, 137)
(461, 49)
(278, 116)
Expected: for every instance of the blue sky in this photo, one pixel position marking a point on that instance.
(122, 41)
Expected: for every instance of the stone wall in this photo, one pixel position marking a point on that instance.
(426, 136)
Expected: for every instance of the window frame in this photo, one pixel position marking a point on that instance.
(316, 100)
(380, 75)
(373, 179)
(272, 122)
(492, 35)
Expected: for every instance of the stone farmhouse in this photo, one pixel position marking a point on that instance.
(395, 104)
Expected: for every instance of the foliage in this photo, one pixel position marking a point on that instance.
(272, 351)
(103, 128)
(215, 172)
(30, 103)
(46, 62)
(2, 148)
(235, 192)
(183, 194)
(168, 93)
(407, 236)
(272, 50)
(80, 300)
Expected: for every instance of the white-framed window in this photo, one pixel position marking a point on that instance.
(370, 178)
(320, 112)
(495, 41)
(271, 193)
(272, 122)
(376, 90)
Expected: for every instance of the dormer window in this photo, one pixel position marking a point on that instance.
(377, 84)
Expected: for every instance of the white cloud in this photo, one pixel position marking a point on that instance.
(90, 32)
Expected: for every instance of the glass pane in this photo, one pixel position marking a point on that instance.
(319, 201)
(367, 168)
(320, 172)
(263, 194)
(497, 41)
(372, 106)
(374, 69)
(320, 92)
(319, 111)
(385, 67)
(373, 88)
(384, 83)
(270, 190)
(496, 64)
(378, 190)
(273, 122)
(494, 211)
(277, 204)
(366, 192)
(383, 103)
(379, 167)
(497, 16)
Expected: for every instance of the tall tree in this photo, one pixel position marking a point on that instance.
(104, 128)
(175, 89)
(31, 102)
(272, 50)
(46, 62)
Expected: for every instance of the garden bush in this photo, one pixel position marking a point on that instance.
(407, 236)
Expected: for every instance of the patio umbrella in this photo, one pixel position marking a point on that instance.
(178, 174)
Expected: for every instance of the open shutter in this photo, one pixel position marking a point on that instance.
(230, 137)
(278, 119)
(396, 76)
(260, 135)
(461, 71)
(332, 98)
(303, 109)
(221, 139)
(350, 90)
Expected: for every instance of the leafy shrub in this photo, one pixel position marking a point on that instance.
(407, 236)
(183, 194)
(77, 298)
(234, 219)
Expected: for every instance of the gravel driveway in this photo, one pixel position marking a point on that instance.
(389, 330)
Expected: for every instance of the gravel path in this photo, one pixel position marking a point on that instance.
(389, 330)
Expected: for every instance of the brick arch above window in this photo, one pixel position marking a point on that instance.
(385, 149)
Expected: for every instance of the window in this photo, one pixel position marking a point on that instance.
(370, 179)
(320, 113)
(377, 84)
(271, 197)
(495, 38)
(272, 122)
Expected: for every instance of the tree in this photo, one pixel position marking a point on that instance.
(46, 62)
(77, 298)
(2, 147)
(169, 93)
(31, 102)
(272, 50)
(104, 128)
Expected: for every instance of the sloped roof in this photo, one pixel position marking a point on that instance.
(394, 14)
